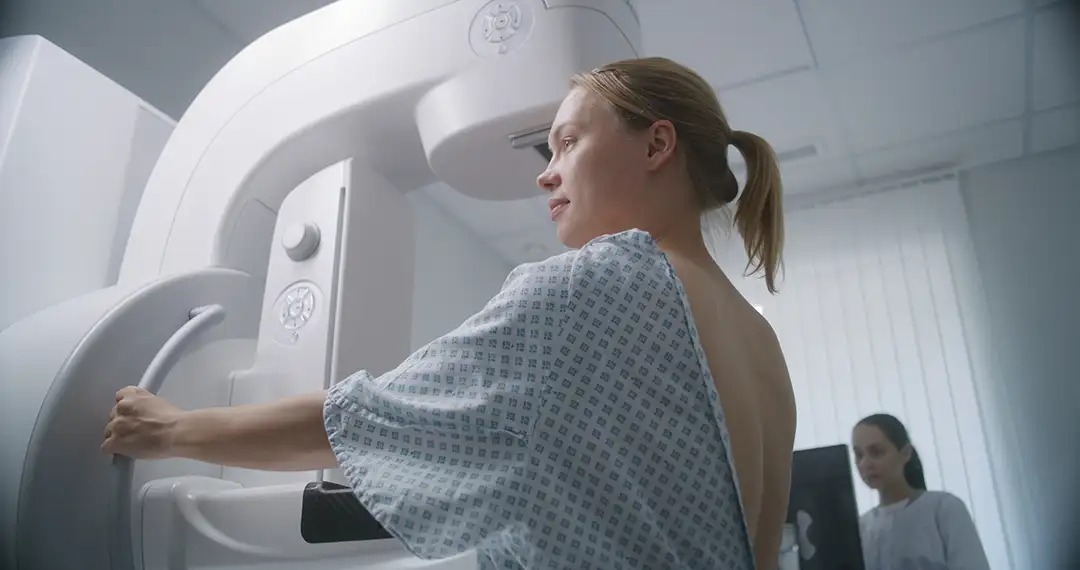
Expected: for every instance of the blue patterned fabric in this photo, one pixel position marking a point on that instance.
(571, 423)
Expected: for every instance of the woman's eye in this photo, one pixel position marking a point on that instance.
(567, 142)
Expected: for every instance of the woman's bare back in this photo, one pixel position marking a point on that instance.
(755, 392)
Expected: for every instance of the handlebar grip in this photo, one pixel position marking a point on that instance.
(200, 319)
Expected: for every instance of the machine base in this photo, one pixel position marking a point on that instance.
(204, 522)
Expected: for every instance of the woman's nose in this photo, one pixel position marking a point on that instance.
(548, 180)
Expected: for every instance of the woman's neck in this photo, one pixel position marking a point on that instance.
(682, 238)
(895, 493)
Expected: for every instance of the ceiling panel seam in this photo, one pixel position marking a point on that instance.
(1029, 74)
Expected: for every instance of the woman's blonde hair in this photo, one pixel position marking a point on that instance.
(647, 90)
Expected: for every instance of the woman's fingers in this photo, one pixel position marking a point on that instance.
(127, 391)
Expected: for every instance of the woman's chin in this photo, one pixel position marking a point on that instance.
(568, 236)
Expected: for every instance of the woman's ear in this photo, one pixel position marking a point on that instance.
(662, 141)
(905, 452)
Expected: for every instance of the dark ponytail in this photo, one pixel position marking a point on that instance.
(913, 472)
(897, 434)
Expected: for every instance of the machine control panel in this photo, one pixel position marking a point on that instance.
(296, 306)
(296, 328)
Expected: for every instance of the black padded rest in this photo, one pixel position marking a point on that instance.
(332, 513)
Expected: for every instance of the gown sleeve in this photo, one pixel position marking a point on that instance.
(571, 423)
(437, 449)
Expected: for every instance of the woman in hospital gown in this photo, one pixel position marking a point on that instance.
(617, 406)
(912, 528)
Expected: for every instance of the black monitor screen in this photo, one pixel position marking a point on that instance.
(823, 509)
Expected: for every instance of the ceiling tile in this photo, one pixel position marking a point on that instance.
(817, 175)
(728, 42)
(967, 79)
(963, 149)
(1055, 129)
(841, 30)
(1056, 61)
(789, 112)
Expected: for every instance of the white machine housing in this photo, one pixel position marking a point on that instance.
(76, 150)
(414, 88)
(280, 196)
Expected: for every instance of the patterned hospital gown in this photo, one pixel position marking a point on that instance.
(571, 423)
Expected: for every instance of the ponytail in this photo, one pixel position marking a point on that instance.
(913, 472)
(759, 214)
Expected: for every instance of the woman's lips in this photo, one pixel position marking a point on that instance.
(557, 205)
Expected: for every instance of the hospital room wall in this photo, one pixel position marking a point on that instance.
(456, 272)
(1023, 218)
(180, 46)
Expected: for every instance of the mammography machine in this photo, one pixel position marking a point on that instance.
(271, 254)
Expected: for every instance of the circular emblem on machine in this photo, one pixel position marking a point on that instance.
(501, 27)
(296, 306)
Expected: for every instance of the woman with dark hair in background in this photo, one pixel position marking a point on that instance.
(911, 528)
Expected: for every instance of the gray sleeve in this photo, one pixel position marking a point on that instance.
(963, 549)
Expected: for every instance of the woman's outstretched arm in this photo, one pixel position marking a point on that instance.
(284, 435)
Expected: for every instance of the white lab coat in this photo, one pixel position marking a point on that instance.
(932, 531)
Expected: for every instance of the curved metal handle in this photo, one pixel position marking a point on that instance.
(200, 320)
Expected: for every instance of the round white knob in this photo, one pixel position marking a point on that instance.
(300, 240)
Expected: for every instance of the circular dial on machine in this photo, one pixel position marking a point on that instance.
(297, 306)
(300, 240)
